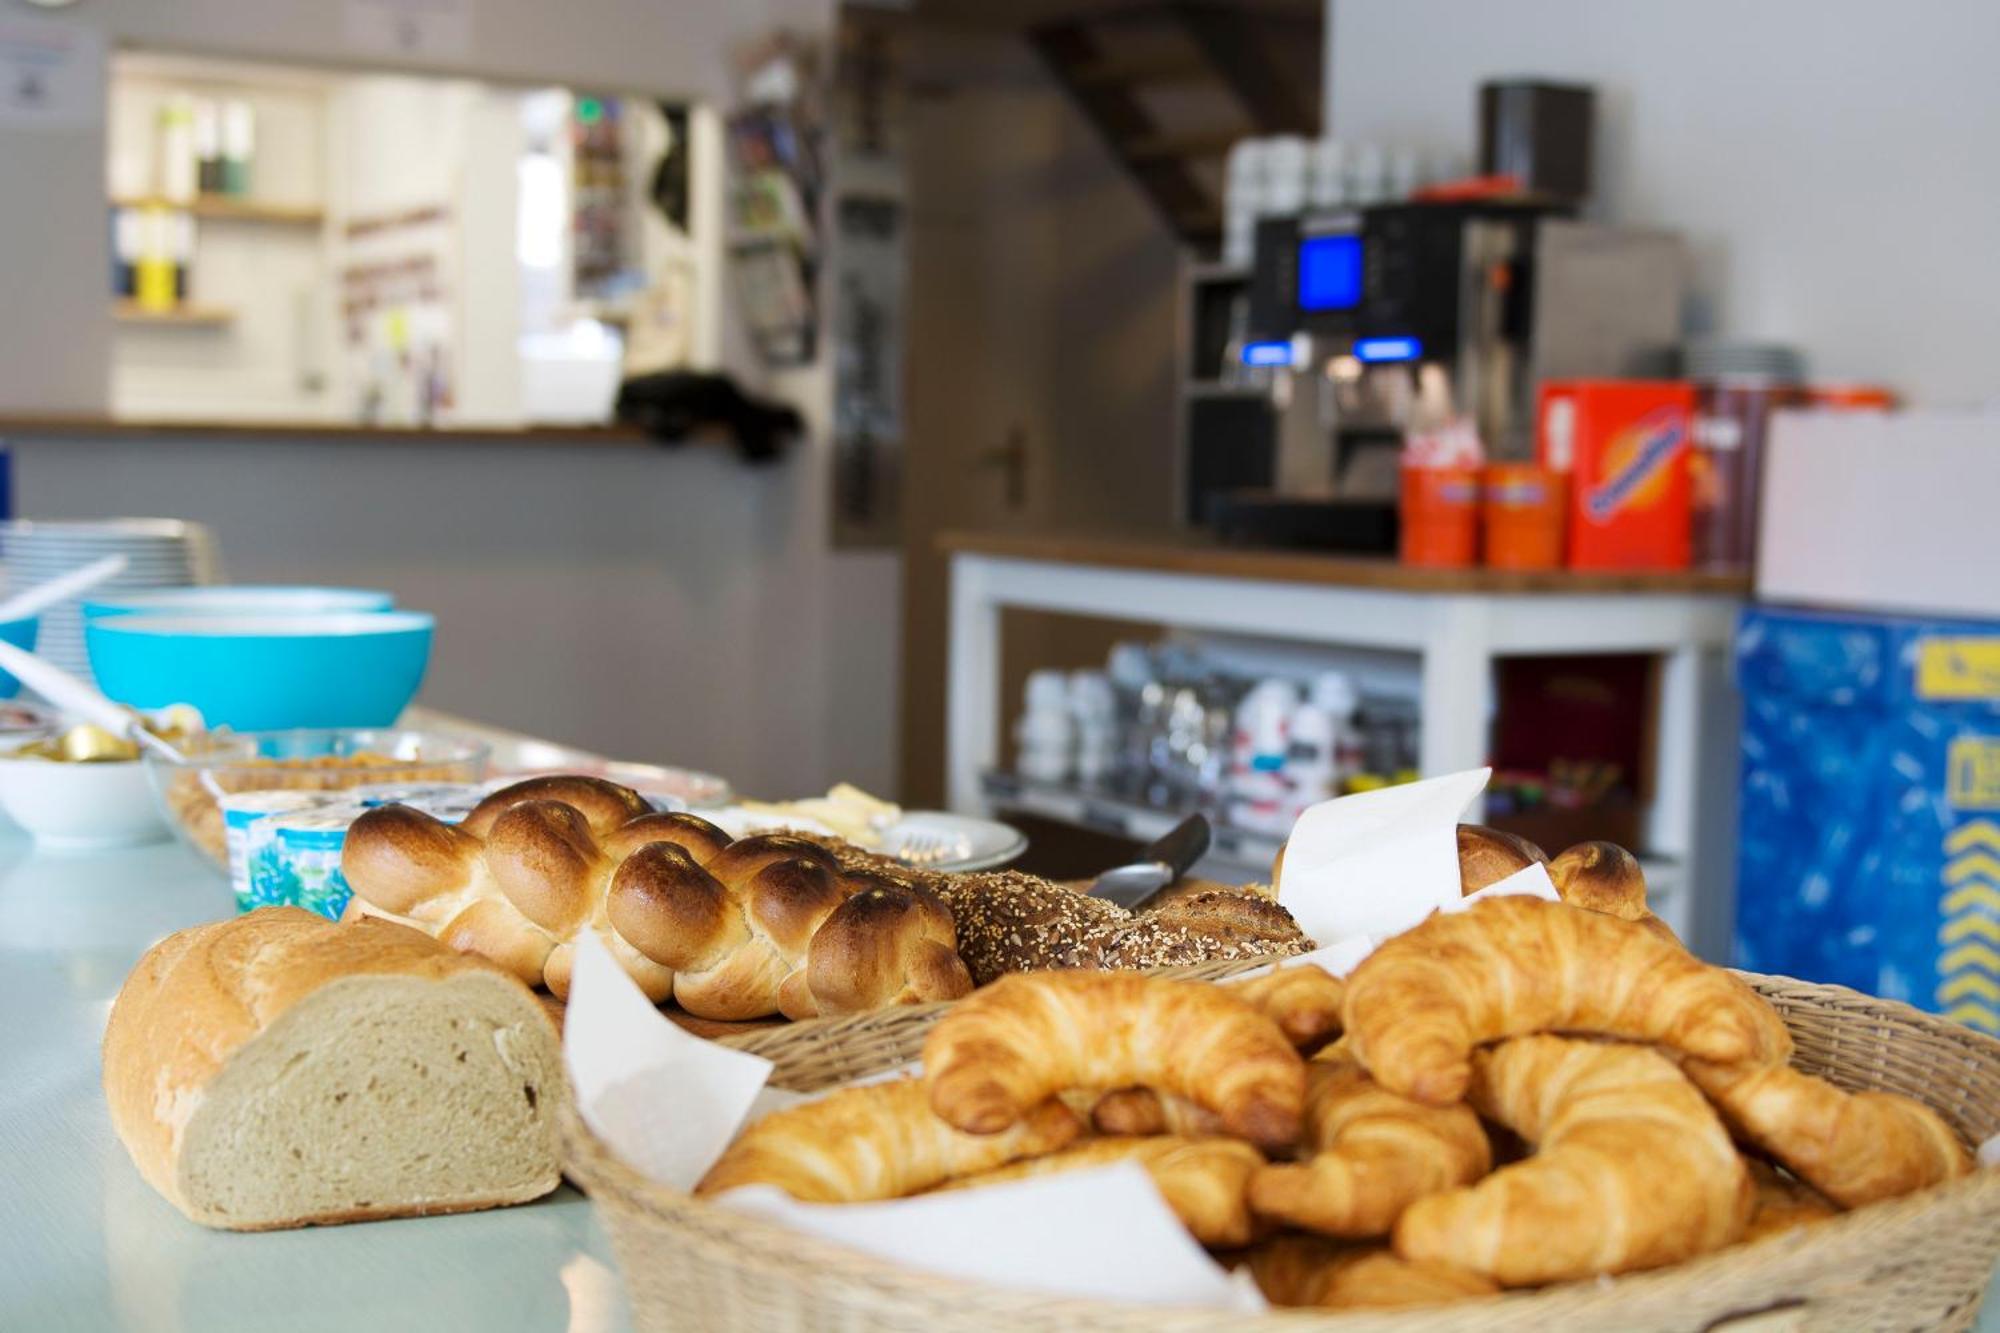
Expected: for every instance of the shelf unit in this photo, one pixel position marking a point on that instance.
(227, 208)
(185, 315)
(1249, 854)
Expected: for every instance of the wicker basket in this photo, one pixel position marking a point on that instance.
(1921, 1262)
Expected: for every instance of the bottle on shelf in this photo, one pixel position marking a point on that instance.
(207, 146)
(176, 174)
(239, 146)
(1259, 793)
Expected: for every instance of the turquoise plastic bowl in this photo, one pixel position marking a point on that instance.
(20, 633)
(265, 672)
(236, 599)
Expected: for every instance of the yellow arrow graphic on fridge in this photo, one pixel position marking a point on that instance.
(1976, 925)
(1974, 1015)
(1974, 954)
(1979, 893)
(1972, 983)
(1979, 864)
(1974, 833)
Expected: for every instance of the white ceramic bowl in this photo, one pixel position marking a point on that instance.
(78, 806)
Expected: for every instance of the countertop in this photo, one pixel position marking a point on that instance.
(86, 1245)
(1192, 555)
(334, 432)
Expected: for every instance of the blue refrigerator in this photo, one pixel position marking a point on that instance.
(1869, 847)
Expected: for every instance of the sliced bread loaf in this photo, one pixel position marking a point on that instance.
(280, 1070)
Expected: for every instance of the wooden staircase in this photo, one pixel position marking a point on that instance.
(1172, 85)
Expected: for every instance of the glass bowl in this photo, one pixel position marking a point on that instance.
(222, 763)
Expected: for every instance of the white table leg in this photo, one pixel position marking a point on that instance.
(972, 697)
(1457, 690)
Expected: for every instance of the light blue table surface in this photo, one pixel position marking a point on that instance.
(85, 1244)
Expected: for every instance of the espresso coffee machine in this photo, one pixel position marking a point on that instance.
(1399, 317)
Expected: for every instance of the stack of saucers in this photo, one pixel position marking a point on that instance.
(159, 553)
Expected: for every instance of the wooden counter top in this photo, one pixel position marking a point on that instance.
(328, 432)
(1192, 555)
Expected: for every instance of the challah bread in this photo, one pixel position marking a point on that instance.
(725, 927)
(279, 1070)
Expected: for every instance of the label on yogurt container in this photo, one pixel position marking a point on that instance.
(294, 859)
(447, 802)
(241, 810)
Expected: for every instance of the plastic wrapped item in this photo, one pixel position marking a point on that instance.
(1869, 850)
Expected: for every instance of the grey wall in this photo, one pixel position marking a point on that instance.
(1832, 161)
(667, 606)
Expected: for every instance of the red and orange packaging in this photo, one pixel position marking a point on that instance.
(1624, 446)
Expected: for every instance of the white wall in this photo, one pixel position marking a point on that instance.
(1831, 161)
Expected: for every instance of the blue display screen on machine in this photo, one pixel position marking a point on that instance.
(1330, 272)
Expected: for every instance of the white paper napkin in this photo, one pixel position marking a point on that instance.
(1378, 862)
(668, 1101)
(1102, 1233)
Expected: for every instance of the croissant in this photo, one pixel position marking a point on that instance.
(1417, 1006)
(1304, 1001)
(1136, 1111)
(1202, 1179)
(1295, 1270)
(1374, 1154)
(880, 1141)
(1631, 1170)
(1025, 1038)
(1604, 877)
(1853, 1147)
(1782, 1204)
(730, 929)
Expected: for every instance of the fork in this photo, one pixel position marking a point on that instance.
(922, 847)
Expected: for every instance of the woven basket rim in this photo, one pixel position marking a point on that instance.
(595, 1167)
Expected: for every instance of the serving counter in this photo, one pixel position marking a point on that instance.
(1454, 624)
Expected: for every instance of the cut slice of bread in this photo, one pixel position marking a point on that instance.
(280, 1070)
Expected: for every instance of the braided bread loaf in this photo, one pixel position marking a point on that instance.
(731, 929)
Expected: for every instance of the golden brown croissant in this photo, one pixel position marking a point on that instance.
(1375, 1154)
(1130, 1111)
(1782, 1204)
(876, 1142)
(1202, 1180)
(1025, 1038)
(1604, 877)
(1631, 1170)
(1853, 1147)
(1417, 1006)
(1295, 1270)
(1303, 1000)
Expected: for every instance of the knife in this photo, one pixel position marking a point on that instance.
(1160, 864)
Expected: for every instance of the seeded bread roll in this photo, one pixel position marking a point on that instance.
(279, 1070)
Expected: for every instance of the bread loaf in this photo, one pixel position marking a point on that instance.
(728, 928)
(279, 1070)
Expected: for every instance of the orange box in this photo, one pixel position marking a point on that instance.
(1524, 513)
(1440, 516)
(1624, 446)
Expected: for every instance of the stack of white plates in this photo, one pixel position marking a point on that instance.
(159, 553)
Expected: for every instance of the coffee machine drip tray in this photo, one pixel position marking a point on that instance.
(1265, 518)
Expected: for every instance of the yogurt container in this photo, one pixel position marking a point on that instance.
(294, 859)
(448, 802)
(241, 810)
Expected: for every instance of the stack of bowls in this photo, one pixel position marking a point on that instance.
(261, 659)
(159, 553)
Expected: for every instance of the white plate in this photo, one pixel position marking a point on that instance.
(982, 844)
